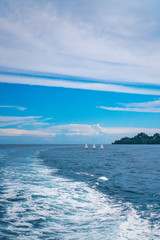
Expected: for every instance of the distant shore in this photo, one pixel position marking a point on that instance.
(141, 138)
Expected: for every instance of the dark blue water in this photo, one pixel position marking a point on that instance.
(66, 192)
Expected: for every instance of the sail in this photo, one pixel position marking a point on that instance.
(94, 146)
(101, 147)
(86, 146)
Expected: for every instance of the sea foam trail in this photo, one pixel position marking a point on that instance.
(39, 204)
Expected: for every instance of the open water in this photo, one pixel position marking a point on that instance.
(58, 192)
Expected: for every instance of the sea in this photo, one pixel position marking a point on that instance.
(63, 192)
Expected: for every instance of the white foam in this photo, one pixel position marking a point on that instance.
(84, 173)
(71, 209)
(103, 178)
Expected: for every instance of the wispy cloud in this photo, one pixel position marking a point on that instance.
(80, 130)
(22, 121)
(17, 107)
(76, 129)
(150, 104)
(23, 132)
(149, 110)
(97, 129)
(89, 40)
(150, 107)
(128, 130)
(86, 85)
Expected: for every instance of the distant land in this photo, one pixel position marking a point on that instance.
(141, 138)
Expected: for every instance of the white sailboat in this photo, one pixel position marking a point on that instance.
(94, 146)
(101, 147)
(86, 146)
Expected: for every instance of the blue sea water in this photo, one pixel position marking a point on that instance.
(58, 192)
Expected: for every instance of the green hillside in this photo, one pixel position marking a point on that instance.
(141, 138)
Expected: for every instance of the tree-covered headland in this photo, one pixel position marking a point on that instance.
(141, 138)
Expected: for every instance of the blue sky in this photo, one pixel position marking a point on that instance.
(78, 71)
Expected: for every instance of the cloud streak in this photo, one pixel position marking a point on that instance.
(150, 104)
(80, 39)
(150, 110)
(22, 121)
(148, 107)
(23, 132)
(77, 85)
(17, 107)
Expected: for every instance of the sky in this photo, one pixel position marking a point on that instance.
(84, 71)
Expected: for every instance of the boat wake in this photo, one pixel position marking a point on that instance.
(39, 204)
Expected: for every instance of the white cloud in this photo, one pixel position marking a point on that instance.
(106, 40)
(150, 104)
(78, 85)
(149, 110)
(22, 121)
(23, 132)
(97, 129)
(128, 130)
(76, 129)
(80, 130)
(150, 107)
(17, 107)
